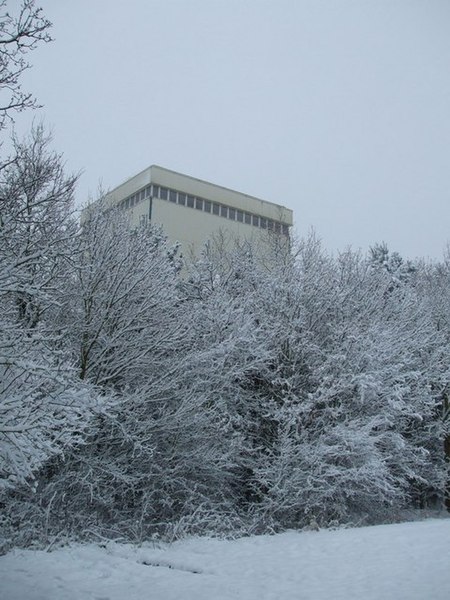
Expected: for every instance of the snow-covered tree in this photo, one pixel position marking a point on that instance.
(123, 316)
(176, 452)
(350, 421)
(126, 331)
(42, 404)
(400, 270)
(433, 283)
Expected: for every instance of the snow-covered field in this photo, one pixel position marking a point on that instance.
(409, 561)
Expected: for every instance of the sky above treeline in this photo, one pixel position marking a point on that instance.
(338, 109)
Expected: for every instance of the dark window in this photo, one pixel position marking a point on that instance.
(172, 196)
(141, 195)
(263, 223)
(248, 218)
(148, 192)
(207, 207)
(223, 211)
(232, 214)
(285, 229)
(181, 199)
(199, 203)
(277, 227)
(216, 208)
(156, 191)
(127, 203)
(240, 216)
(190, 201)
(163, 193)
(269, 225)
(255, 220)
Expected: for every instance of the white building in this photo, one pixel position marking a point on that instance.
(191, 210)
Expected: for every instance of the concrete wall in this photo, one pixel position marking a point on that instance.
(189, 225)
(192, 228)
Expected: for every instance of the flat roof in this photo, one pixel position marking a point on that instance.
(199, 187)
(222, 187)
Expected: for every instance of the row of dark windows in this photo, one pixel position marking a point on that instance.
(215, 208)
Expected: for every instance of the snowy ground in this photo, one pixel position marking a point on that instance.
(409, 561)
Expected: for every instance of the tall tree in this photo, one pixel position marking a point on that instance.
(42, 404)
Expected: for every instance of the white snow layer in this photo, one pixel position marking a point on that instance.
(407, 561)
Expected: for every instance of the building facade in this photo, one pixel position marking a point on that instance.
(192, 211)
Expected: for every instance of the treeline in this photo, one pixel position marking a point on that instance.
(251, 391)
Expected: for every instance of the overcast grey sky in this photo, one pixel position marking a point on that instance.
(338, 109)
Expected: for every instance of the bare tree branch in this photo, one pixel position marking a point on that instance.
(19, 34)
